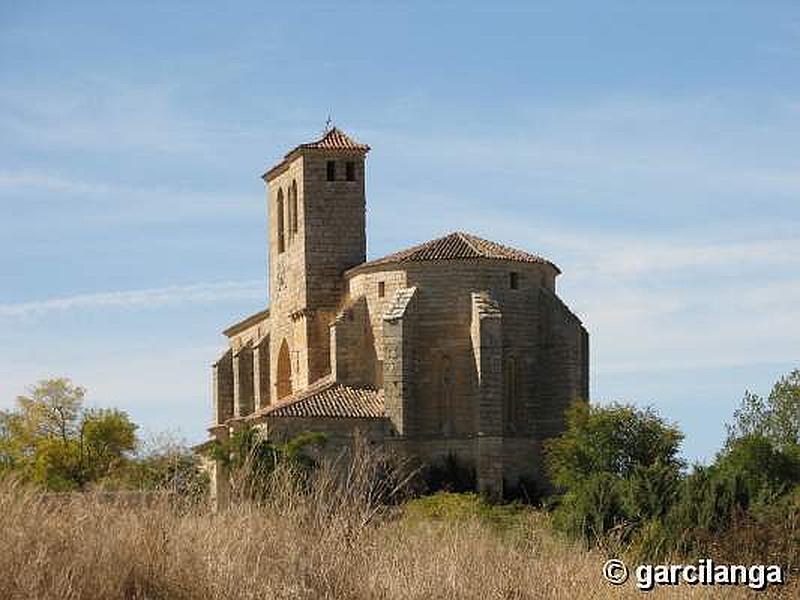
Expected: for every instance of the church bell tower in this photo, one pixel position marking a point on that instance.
(316, 207)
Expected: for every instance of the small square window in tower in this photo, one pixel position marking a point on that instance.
(331, 170)
(513, 280)
(350, 171)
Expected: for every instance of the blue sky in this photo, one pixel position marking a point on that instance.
(651, 150)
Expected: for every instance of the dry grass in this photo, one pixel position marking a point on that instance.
(333, 540)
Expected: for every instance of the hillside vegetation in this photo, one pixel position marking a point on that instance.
(316, 543)
(86, 512)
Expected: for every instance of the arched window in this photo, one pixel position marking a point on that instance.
(284, 379)
(279, 219)
(294, 207)
(288, 217)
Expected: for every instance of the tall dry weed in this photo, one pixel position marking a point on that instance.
(332, 535)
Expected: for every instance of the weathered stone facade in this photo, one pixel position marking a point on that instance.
(459, 345)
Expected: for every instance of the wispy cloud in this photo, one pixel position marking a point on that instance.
(119, 202)
(631, 256)
(201, 293)
(700, 146)
(95, 111)
(15, 180)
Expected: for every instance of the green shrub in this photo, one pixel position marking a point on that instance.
(767, 470)
(449, 506)
(616, 466)
(615, 439)
(592, 508)
(251, 458)
(650, 491)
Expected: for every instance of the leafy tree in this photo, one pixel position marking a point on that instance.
(51, 439)
(51, 409)
(765, 468)
(614, 465)
(107, 436)
(55, 464)
(763, 445)
(615, 439)
(621, 480)
(776, 417)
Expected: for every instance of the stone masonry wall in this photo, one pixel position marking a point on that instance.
(444, 306)
(550, 355)
(335, 240)
(287, 275)
(243, 383)
(563, 370)
(222, 384)
(399, 365)
(368, 285)
(352, 348)
(486, 333)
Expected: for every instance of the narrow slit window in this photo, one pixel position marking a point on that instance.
(294, 207)
(331, 170)
(381, 289)
(350, 171)
(513, 280)
(280, 224)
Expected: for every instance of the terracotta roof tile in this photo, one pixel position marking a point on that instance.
(456, 246)
(334, 139)
(332, 400)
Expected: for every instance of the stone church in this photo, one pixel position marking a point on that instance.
(456, 346)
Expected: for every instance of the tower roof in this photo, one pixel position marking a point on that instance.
(457, 246)
(333, 139)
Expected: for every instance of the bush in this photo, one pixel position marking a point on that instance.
(591, 508)
(650, 491)
(622, 487)
(767, 470)
(616, 467)
(252, 458)
(767, 533)
(452, 507)
(449, 474)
